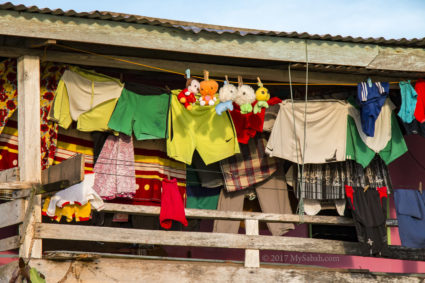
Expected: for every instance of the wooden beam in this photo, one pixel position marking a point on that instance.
(71, 170)
(168, 271)
(252, 257)
(398, 59)
(9, 243)
(29, 146)
(267, 74)
(262, 47)
(231, 215)
(9, 175)
(11, 212)
(193, 239)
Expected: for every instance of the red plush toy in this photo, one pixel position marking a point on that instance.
(187, 96)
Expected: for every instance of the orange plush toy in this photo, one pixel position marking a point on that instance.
(187, 96)
(208, 90)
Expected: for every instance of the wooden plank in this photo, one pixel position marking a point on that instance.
(9, 175)
(29, 151)
(398, 59)
(72, 170)
(9, 243)
(267, 74)
(194, 239)
(166, 271)
(231, 215)
(11, 212)
(16, 185)
(252, 257)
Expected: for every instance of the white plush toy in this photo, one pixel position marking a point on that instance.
(245, 97)
(226, 95)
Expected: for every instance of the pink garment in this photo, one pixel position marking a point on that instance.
(172, 207)
(115, 174)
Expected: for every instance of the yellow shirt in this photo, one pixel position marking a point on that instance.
(80, 213)
(86, 97)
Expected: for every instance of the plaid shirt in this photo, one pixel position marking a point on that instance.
(249, 167)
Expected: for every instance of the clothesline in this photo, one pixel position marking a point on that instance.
(198, 77)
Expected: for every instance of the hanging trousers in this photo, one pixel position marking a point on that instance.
(272, 195)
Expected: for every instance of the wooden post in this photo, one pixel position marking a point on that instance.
(252, 257)
(29, 156)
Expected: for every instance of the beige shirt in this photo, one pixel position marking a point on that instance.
(326, 132)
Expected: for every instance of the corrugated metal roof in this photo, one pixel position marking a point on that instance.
(198, 27)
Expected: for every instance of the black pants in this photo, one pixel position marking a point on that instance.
(369, 209)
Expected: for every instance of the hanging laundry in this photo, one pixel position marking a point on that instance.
(80, 194)
(144, 115)
(69, 211)
(382, 127)
(327, 181)
(247, 125)
(270, 117)
(357, 150)
(152, 167)
(420, 104)
(249, 167)
(172, 206)
(8, 91)
(408, 171)
(410, 208)
(408, 102)
(369, 209)
(199, 197)
(212, 135)
(86, 97)
(273, 197)
(314, 206)
(210, 175)
(371, 99)
(99, 139)
(326, 129)
(115, 173)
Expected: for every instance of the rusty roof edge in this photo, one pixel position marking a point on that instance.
(218, 29)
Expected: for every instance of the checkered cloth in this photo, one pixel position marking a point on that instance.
(249, 167)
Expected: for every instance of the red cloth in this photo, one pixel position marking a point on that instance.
(349, 193)
(420, 104)
(172, 207)
(247, 125)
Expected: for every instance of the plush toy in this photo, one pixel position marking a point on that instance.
(208, 89)
(245, 96)
(187, 96)
(226, 95)
(262, 94)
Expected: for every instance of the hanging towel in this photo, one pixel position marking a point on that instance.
(172, 207)
(408, 102)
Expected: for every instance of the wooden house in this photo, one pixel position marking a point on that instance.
(131, 45)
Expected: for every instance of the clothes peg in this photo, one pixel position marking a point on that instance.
(420, 187)
(369, 82)
(366, 188)
(226, 80)
(187, 72)
(260, 84)
(240, 81)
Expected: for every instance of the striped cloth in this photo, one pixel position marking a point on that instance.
(327, 181)
(152, 164)
(249, 167)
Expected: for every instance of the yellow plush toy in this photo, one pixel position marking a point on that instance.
(262, 95)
